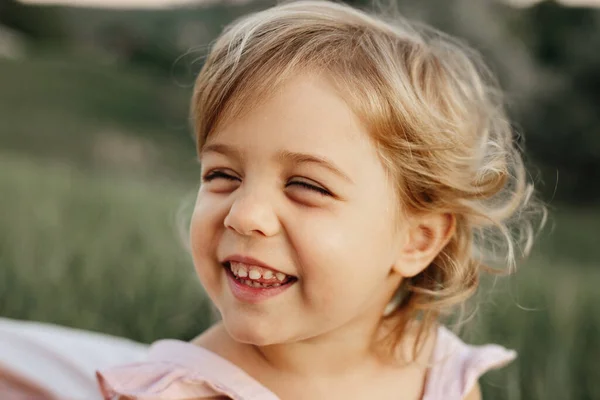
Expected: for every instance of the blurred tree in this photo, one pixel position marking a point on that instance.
(563, 127)
(37, 23)
(154, 49)
(118, 39)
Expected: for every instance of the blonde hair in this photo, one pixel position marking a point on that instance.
(433, 111)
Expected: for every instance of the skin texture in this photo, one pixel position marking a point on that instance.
(475, 394)
(339, 237)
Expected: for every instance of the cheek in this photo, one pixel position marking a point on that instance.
(206, 223)
(204, 232)
(198, 236)
(358, 235)
(342, 258)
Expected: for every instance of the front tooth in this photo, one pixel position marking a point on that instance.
(268, 274)
(242, 272)
(280, 276)
(256, 284)
(248, 282)
(254, 274)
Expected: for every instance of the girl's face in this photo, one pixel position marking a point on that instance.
(295, 185)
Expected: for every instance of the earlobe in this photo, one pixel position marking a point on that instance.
(427, 236)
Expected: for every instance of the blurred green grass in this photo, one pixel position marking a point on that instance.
(102, 254)
(98, 252)
(61, 106)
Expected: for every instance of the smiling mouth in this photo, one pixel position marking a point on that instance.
(256, 277)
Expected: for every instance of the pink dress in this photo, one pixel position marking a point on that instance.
(177, 370)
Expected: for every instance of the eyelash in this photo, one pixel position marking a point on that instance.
(218, 174)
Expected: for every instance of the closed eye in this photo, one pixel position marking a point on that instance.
(218, 174)
(311, 187)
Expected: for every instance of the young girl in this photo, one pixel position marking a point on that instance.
(356, 174)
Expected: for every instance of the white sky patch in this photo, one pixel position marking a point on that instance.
(175, 3)
(117, 3)
(527, 3)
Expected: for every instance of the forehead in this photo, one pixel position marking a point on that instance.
(304, 113)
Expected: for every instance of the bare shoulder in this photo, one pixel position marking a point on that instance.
(474, 394)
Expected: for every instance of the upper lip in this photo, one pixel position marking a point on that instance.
(248, 260)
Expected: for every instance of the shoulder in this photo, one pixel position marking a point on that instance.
(474, 394)
(456, 367)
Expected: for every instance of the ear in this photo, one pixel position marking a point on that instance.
(427, 236)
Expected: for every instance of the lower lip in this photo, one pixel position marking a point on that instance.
(249, 294)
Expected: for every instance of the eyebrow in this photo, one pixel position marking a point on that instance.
(222, 149)
(303, 158)
(282, 156)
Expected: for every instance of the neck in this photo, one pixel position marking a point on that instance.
(333, 353)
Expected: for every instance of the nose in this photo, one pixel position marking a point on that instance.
(251, 214)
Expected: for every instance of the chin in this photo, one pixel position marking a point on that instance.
(249, 331)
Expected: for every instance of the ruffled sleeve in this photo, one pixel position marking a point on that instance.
(155, 381)
(178, 370)
(456, 366)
